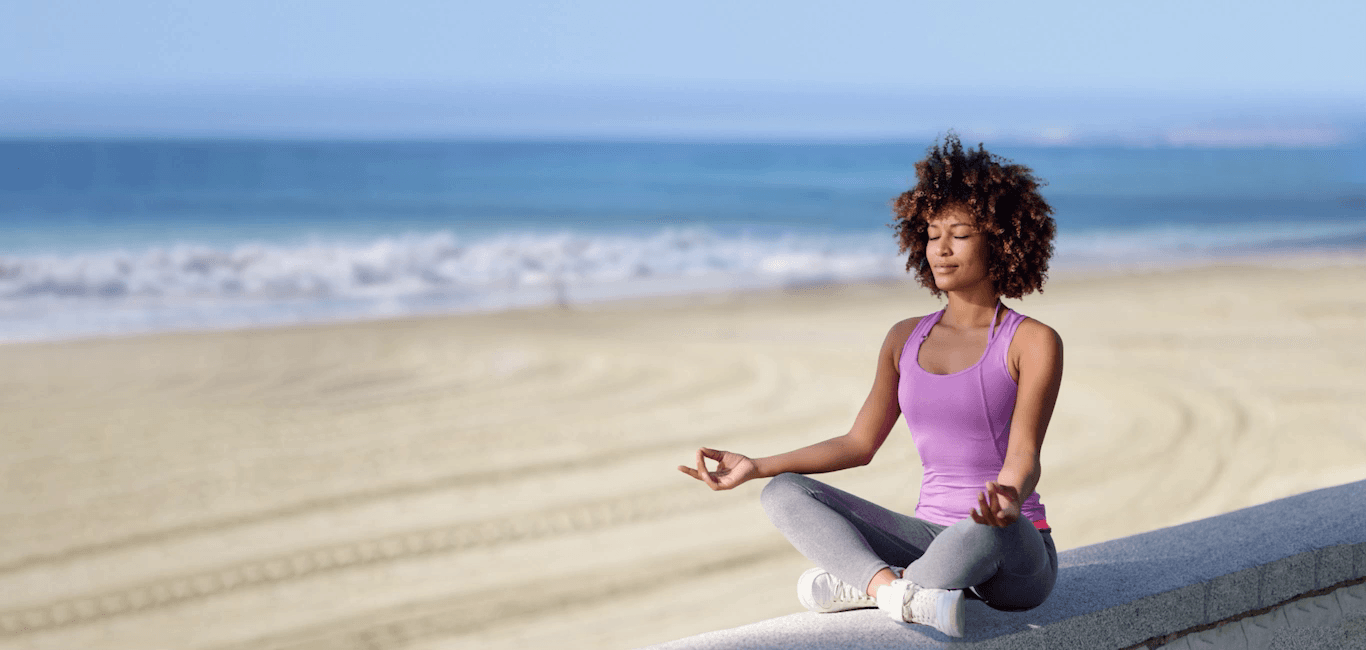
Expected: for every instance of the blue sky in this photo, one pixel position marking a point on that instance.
(138, 64)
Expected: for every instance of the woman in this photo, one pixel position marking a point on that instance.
(977, 383)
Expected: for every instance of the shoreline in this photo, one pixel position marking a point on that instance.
(315, 485)
(1315, 257)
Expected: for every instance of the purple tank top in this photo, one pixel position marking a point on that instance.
(960, 423)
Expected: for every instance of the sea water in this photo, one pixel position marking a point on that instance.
(110, 237)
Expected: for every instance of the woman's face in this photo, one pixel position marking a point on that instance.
(956, 250)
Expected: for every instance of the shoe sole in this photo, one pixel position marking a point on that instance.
(804, 588)
(951, 614)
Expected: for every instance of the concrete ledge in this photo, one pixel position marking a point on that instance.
(1316, 622)
(1127, 591)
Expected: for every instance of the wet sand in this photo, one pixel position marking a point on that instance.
(507, 480)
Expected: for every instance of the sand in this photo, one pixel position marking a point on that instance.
(507, 480)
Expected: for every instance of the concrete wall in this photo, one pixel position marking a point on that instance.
(1143, 588)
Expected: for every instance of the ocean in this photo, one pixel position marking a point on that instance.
(107, 237)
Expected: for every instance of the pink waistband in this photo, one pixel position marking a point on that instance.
(1042, 524)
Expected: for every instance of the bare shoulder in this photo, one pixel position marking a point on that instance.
(1035, 333)
(897, 336)
(1035, 343)
(902, 328)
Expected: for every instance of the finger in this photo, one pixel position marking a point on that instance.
(987, 515)
(976, 517)
(702, 470)
(714, 454)
(689, 471)
(994, 511)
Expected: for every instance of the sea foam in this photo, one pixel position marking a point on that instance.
(195, 286)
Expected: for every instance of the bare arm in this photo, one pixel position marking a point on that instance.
(857, 447)
(875, 420)
(1040, 377)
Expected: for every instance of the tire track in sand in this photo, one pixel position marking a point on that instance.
(294, 565)
(759, 374)
(393, 628)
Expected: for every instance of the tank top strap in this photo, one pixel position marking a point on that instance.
(911, 348)
(999, 346)
(922, 329)
(1010, 323)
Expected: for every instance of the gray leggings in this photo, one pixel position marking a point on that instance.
(1011, 568)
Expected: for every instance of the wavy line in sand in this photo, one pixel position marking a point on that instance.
(389, 548)
(397, 627)
(763, 376)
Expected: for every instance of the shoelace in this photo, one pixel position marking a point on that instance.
(922, 609)
(847, 593)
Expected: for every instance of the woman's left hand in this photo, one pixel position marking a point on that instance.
(998, 506)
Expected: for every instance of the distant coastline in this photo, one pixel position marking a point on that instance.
(685, 113)
(118, 236)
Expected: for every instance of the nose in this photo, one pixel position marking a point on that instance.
(944, 249)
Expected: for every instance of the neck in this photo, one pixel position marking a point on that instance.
(970, 309)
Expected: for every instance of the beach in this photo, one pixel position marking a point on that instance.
(508, 479)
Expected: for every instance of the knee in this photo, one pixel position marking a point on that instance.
(980, 536)
(781, 491)
(993, 540)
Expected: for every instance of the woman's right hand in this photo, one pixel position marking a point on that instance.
(732, 469)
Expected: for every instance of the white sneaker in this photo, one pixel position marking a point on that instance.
(941, 609)
(819, 591)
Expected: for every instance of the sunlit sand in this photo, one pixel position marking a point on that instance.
(507, 480)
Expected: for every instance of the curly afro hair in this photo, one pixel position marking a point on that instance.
(1002, 196)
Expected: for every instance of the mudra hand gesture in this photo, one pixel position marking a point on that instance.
(999, 506)
(732, 469)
